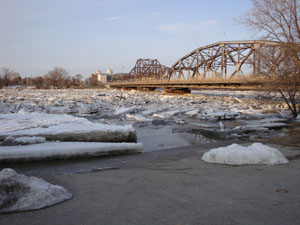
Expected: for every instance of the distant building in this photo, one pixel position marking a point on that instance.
(102, 77)
(109, 71)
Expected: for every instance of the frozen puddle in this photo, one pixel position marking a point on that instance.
(154, 139)
(158, 139)
(62, 150)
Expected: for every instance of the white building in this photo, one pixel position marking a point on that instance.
(102, 78)
(109, 71)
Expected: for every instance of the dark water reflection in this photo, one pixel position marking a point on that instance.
(158, 138)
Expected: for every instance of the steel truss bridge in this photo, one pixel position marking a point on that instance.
(226, 64)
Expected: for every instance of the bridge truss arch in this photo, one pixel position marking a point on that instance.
(225, 60)
(146, 69)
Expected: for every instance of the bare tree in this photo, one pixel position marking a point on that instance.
(8, 77)
(278, 20)
(93, 81)
(38, 82)
(78, 80)
(78, 77)
(57, 78)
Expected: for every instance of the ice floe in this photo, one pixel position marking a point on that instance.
(21, 193)
(41, 136)
(138, 117)
(193, 112)
(235, 154)
(11, 141)
(166, 114)
(118, 104)
(63, 150)
(62, 127)
(123, 110)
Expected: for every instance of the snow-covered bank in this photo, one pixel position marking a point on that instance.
(62, 128)
(21, 193)
(235, 154)
(64, 150)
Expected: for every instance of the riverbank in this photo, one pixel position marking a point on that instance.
(172, 187)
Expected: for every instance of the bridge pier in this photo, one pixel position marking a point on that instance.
(176, 91)
(146, 88)
(129, 88)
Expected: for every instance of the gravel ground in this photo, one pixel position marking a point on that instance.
(174, 187)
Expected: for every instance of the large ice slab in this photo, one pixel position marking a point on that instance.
(62, 128)
(65, 150)
(21, 193)
(235, 154)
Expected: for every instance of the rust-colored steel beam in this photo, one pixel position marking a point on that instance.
(144, 69)
(147, 69)
(222, 60)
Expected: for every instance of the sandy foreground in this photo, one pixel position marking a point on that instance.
(173, 187)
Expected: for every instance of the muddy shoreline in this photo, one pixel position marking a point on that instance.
(149, 188)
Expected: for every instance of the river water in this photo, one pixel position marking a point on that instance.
(230, 115)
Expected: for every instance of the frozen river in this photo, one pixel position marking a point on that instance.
(161, 121)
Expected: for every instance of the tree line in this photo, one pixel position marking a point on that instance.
(56, 78)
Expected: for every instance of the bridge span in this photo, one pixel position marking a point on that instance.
(187, 85)
(226, 64)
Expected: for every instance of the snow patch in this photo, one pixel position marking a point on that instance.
(30, 140)
(21, 193)
(149, 111)
(123, 110)
(167, 114)
(23, 140)
(235, 154)
(138, 117)
(193, 112)
(221, 126)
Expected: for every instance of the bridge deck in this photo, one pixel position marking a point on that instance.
(250, 84)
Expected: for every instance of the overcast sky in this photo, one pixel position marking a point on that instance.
(83, 36)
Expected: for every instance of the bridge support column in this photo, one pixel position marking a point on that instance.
(146, 88)
(176, 91)
(128, 88)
